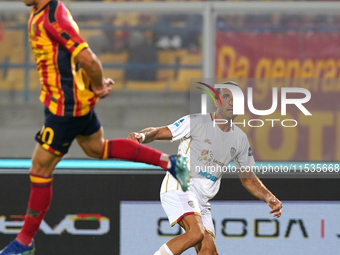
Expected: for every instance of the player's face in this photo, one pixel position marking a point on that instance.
(226, 109)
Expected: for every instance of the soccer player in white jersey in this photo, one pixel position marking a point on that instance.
(204, 145)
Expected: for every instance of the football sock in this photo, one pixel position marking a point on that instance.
(133, 151)
(39, 202)
(164, 250)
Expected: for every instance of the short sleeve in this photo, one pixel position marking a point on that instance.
(64, 30)
(245, 158)
(180, 128)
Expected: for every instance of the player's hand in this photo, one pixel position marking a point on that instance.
(106, 90)
(276, 206)
(108, 82)
(138, 137)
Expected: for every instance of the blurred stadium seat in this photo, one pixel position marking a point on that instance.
(146, 85)
(168, 57)
(182, 80)
(14, 53)
(116, 74)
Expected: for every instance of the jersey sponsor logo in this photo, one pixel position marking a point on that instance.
(250, 153)
(232, 151)
(178, 122)
(207, 176)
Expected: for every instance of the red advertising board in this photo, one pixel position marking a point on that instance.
(265, 60)
(278, 55)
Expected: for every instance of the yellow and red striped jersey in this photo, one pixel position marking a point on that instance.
(55, 41)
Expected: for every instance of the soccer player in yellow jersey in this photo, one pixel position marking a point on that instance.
(69, 95)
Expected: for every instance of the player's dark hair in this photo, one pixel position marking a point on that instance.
(229, 83)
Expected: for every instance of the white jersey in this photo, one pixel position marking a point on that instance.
(209, 150)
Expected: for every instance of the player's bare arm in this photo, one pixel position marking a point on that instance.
(150, 134)
(257, 189)
(100, 85)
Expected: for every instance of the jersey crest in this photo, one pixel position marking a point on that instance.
(232, 151)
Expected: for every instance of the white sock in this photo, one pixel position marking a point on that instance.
(165, 157)
(164, 250)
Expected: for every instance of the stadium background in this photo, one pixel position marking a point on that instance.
(152, 50)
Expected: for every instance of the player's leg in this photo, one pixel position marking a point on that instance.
(54, 141)
(92, 142)
(96, 146)
(43, 163)
(182, 208)
(207, 246)
(193, 235)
